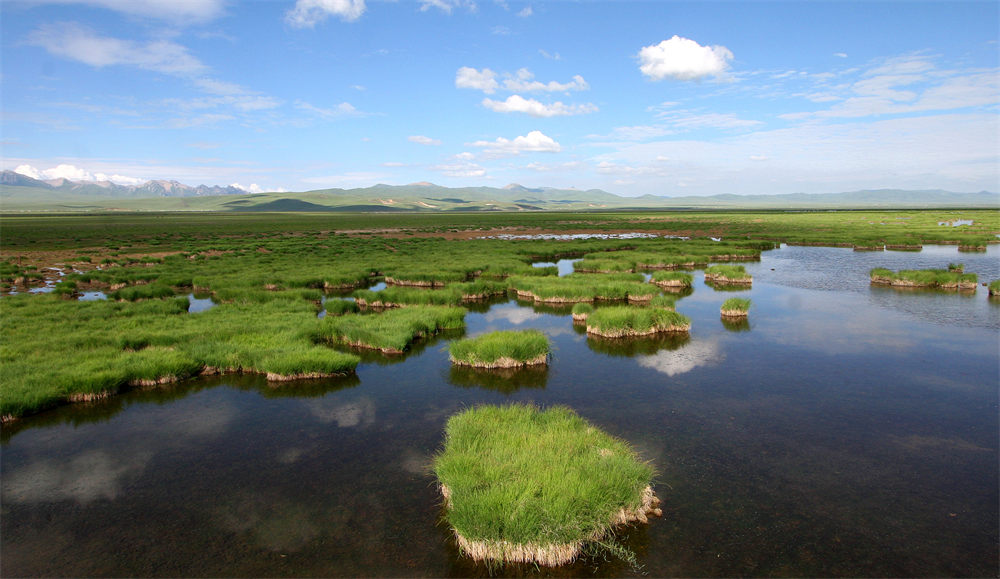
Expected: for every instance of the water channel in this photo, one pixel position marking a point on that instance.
(844, 430)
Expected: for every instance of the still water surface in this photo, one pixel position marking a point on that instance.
(845, 430)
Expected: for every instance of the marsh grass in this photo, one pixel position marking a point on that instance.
(581, 311)
(54, 351)
(929, 278)
(502, 349)
(581, 287)
(735, 308)
(523, 485)
(628, 321)
(672, 279)
(391, 331)
(728, 275)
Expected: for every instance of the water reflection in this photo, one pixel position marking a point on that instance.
(630, 347)
(358, 412)
(681, 360)
(736, 324)
(503, 380)
(85, 478)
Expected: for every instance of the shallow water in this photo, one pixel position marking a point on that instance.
(843, 430)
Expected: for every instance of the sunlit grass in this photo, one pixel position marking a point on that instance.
(502, 349)
(526, 485)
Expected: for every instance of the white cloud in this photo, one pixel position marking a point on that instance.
(76, 42)
(484, 80)
(74, 173)
(178, 11)
(422, 140)
(526, 12)
(518, 104)
(683, 59)
(533, 142)
(253, 188)
(343, 110)
(522, 82)
(309, 13)
(447, 6)
(460, 165)
(550, 56)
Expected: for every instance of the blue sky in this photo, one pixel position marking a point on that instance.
(666, 98)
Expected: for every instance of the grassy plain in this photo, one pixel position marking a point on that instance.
(267, 273)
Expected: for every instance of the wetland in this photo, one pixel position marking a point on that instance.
(843, 429)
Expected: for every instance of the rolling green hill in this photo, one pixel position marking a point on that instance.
(20, 193)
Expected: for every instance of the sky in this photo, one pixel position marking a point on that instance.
(653, 97)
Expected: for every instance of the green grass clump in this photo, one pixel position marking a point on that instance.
(668, 301)
(678, 279)
(625, 321)
(340, 307)
(728, 274)
(994, 287)
(503, 349)
(579, 287)
(526, 485)
(932, 278)
(582, 310)
(391, 331)
(735, 307)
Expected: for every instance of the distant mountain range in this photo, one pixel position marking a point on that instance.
(20, 192)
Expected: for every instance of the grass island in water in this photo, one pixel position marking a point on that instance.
(523, 485)
(735, 308)
(629, 321)
(928, 278)
(503, 349)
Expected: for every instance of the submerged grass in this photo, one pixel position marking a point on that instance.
(503, 349)
(532, 486)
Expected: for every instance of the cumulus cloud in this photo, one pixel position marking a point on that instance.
(422, 140)
(683, 59)
(79, 43)
(484, 80)
(518, 104)
(533, 142)
(74, 173)
(526, 12)
(309, 13)
(253, 188)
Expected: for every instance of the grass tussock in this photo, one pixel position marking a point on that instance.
(994, 287)
(579, 287)
(581, 311)
(530, 486)
(628, 321)
(735, 308)
(728, 275)
(930, 278)
(672, 279)
(503, 349)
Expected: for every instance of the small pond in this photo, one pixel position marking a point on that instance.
(843, 430)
